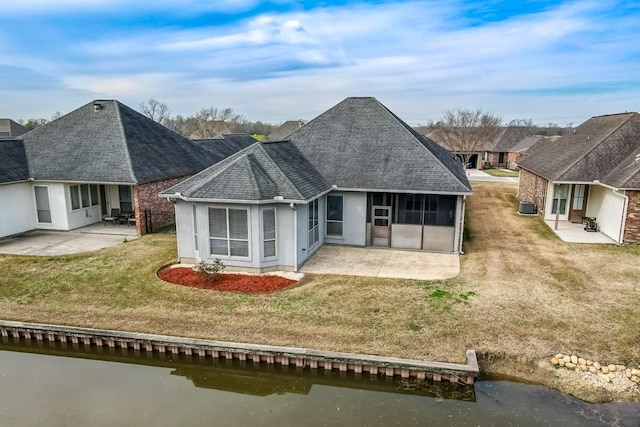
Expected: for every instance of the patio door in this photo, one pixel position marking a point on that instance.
(381, 226)
(580, 193)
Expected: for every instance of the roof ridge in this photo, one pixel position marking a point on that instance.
(596, 144)
(281, 171)
(124, 140)
(417, 137)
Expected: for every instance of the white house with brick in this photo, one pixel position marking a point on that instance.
(355, 175)
(102, 158)
(593, 172)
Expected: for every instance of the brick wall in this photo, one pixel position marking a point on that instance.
(510, 159)
(533, 188)
(145, 196)
(632, 226)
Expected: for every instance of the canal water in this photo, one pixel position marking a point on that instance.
(43, 384)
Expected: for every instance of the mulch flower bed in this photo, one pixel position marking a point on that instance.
(186, 276)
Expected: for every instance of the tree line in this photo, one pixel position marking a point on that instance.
(206, 123)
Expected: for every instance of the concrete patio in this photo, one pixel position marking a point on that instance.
(575, 233)
(381, 262)
(85, 239)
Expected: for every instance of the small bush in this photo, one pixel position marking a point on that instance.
(209, 271)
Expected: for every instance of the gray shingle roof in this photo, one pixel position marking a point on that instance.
(603, 148)
(10, 128)
(110, 143)
(360, 144)
(509, 137)
(284, 130)
(13, 161)
(262, 171)
(525, 144)
(224, 145)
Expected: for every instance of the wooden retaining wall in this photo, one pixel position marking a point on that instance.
(300, 357)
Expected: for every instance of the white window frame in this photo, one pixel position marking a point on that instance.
(77, 188)
(275, 233)
(35, 198)
(229, 239)
(334, 221)
(194, 219)
(313, 223)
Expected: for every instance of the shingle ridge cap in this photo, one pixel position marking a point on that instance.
(125, 142)
(297, 190)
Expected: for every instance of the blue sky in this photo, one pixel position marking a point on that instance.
(552, 61)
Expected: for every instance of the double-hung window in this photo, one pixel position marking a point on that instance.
(334, 215)
(313, 223)
(269, 232)
(229, 232)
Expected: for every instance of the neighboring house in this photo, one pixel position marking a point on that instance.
(503, 152)
(9, 128)
(509, 147)
(223, 145)
(592, 172)
(73, 171)
(284, 130)
(355, 175)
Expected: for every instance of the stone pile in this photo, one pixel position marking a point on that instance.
(585, 365)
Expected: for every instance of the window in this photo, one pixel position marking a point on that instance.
(93, 190)
(313, 223)
(269, 232)
(75, 197)
(83, 196)
(195, 228)
(578, 197)
(124, 192)
(560, 193)
(42, 204)
(229, 232)
(334, 215)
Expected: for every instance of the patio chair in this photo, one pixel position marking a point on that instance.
(590, 224)
(115, 215)
(131, 220)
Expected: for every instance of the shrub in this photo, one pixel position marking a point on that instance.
(209, 271)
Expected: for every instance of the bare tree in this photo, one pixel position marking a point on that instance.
(155, 110)
(210, 122)
(523, 123)
(466, 132)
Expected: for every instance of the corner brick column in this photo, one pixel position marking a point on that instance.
(632, 225)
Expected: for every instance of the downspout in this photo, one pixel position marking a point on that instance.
(461, 233)
(623, 221)
(295, 237)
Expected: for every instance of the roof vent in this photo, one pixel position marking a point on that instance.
(97, 106)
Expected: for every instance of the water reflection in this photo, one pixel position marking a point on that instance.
(245, 377)
(89, 389)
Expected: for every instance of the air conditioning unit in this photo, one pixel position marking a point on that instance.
(527, 208)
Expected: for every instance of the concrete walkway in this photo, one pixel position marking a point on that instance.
(478, 175)
(380, 262)
(40, 242)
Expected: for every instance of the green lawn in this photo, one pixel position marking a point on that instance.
(522, 292)
(501, 172)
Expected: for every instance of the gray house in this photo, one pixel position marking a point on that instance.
(355, 175)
